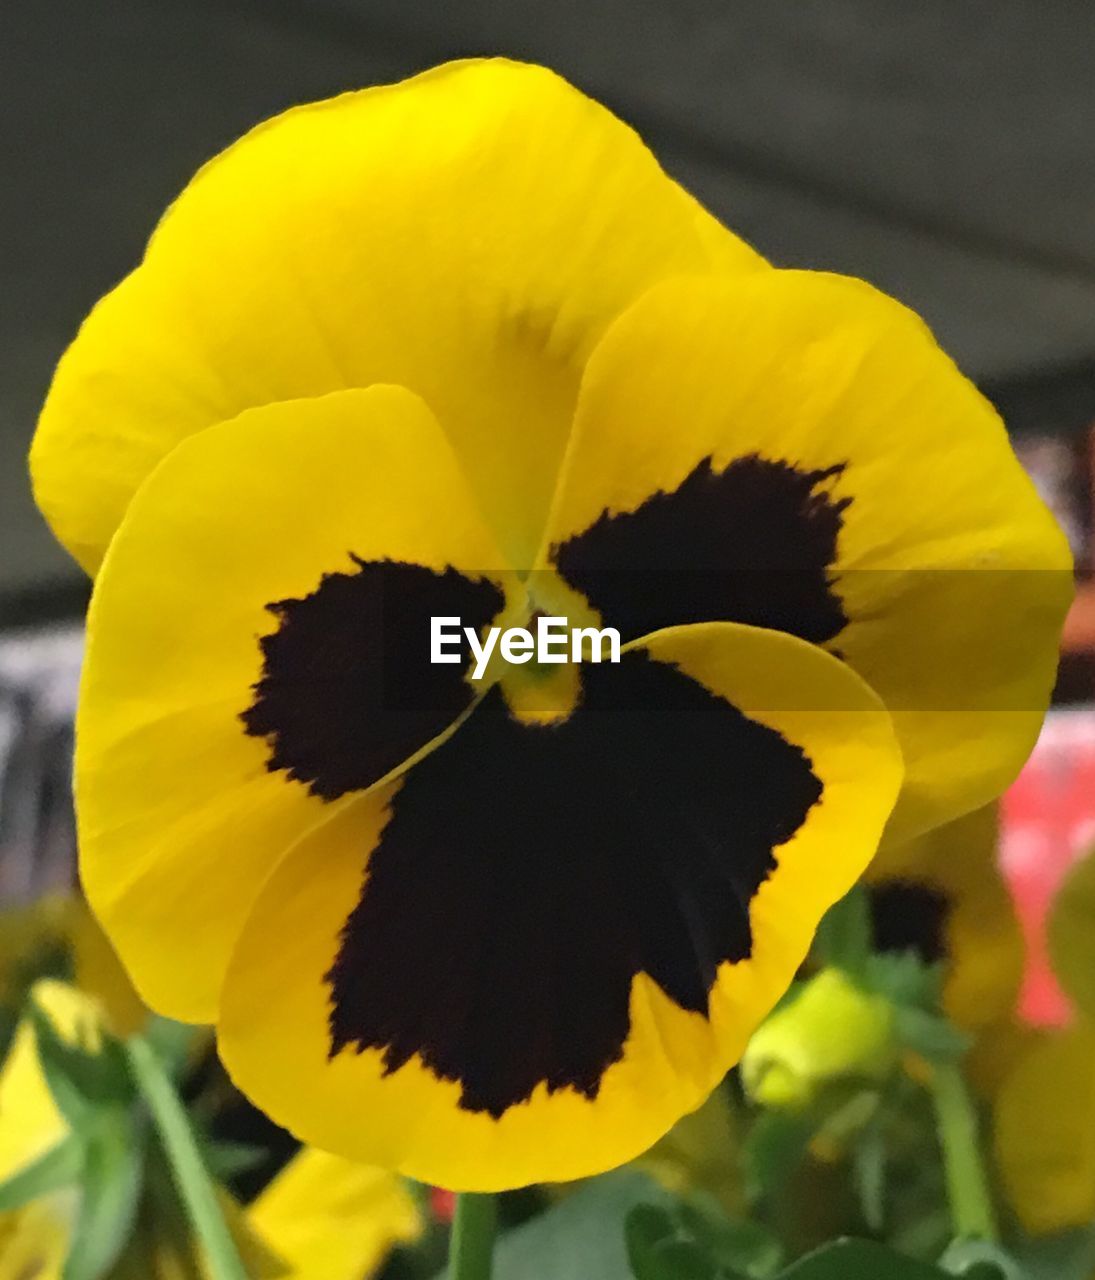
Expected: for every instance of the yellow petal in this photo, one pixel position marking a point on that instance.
(99, 973)
(34, 1240)
(468, 233)
(208, 738)
(30, 1123)
(328, 1218)
(792, 450)
(459, 995)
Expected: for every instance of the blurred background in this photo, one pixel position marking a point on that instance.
(942, 151)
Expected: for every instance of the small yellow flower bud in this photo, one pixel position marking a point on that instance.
(833, 1030)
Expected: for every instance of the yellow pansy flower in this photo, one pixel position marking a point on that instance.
(459, 348)
(321, 1218)
(1044, 1107)
(944, 897)
(1044, 1116)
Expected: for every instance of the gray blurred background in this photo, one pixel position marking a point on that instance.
(943, 150)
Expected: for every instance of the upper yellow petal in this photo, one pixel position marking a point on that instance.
(468, 234)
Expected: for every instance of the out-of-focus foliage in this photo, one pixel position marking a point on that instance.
(86, 1191)
(835, 1126)
(57, 936)
(701, 1153)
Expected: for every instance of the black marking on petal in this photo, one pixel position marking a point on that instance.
(527, 873)
(908, 915)
(348, 691)
(753, 543)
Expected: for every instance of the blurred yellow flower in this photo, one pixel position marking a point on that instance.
(1045, 1131)
(30, 938)
(59, 931)
(321, 1218)
(331, 1219)
(1045, 1105)
(34, 1240)
(943, 896)
(35, 1237)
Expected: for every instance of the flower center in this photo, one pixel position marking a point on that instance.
(538, 692)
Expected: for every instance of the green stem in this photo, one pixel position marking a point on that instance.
(194, 1185)
(972, 1212)
(471, 1247)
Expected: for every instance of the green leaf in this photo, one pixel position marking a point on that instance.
(675, 1260)
(843, 938)
(168, 1224)
(1071, 935)
(904, 979)
(82, 1081)
(929, 1034)
(774, 1148)
(925, 1233)
(180, 1145)
(869, 1157)
(59, 1167)
(582, 1237)
(980, 1260)
(172, 1041)
(656, 1250)
(859, 1260)
(1069, 1255)
(113, 1167)
(647, 1226)
(227, 1160)
(736, 1244)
